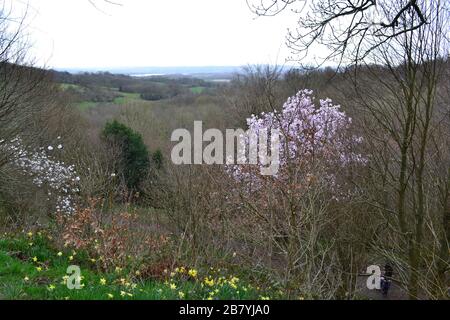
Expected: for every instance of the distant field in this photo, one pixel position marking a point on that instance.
(94, 90)
(123, 99)
(66, 86)
(127, 97)
(197, 90)
(86, 105)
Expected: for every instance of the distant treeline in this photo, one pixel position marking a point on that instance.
(151, 88)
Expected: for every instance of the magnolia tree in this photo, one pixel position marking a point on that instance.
(298, 213)
(59, 179)
(310, 137)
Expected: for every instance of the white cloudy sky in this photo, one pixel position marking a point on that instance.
(73, 34)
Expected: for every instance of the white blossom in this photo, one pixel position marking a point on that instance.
(59, 178)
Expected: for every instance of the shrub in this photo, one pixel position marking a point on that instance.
(112, 239)
(157, 159)
(133, 153)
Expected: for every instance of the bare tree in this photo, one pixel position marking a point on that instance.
(96, 4)
(254, 90)
(23, 89)
(350, 30)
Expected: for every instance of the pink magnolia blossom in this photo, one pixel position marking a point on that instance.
(309, 134)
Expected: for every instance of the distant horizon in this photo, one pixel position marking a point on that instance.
(181, 69)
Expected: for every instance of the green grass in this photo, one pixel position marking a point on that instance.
(123, 100)
(197, 90)
(85, 105)
(31, 269)
(66, 86)
(127, 97)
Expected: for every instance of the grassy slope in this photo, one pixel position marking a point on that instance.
(127, 97)
(31, 269)
(197, 90)
(124, 99)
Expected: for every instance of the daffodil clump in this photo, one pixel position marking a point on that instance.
(213, 284)
(40, 271)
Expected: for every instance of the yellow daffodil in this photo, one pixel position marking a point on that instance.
(59, 254)
(181, 295)
(51, 287)
(209, 282)
(173, 286)
(192, 273)
(70, 258)
(26, 279)
(35, 259)
(103, 281)
(110, 296)
(39, 269)
(30, 234)
(138, 273)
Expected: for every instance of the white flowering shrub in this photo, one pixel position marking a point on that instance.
(59, 179)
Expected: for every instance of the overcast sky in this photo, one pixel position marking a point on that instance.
(74, 34)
